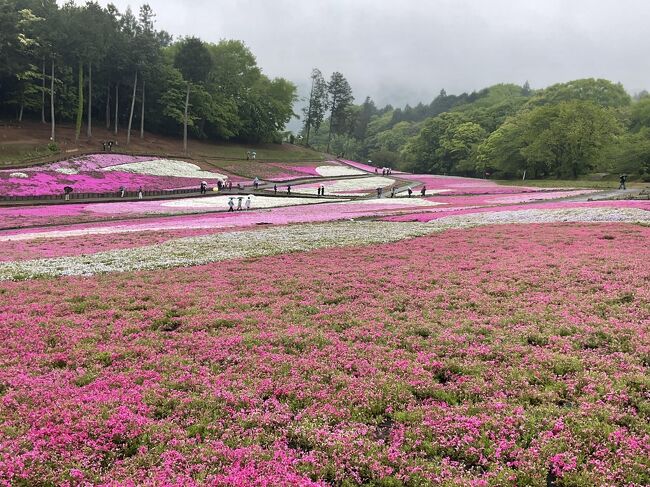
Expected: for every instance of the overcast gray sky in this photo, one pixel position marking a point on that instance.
(405, 51)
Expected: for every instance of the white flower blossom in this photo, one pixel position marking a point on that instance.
(345, 187)
(166, 168)
(335, 171)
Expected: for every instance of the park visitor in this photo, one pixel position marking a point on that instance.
(231, 204)
(275, 188)
(248, 203)
(122, 191)
(239, 202)
(392, 192)
(622, 180)
(423, 191)
(288, 189)
(410, 192)
(140, 193)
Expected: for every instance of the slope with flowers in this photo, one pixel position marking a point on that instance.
(485, 339)
(102, 173)
(496, 356)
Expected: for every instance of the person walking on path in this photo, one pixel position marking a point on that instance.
(140, 193)
(322, 190)
(122, 190)
(423, 191)
(256, 182)
(622, 180)
(239, 202)
(229, 185)
(248, 203)
(378, 192)
(275, 189)
(231, 204)
(409, 191)
(288, 189)
(392, 192)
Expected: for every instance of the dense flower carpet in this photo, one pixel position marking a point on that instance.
(480, 336)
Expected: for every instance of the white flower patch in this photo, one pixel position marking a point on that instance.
(335, 171)
(166, 168)
(20, 175)
(292, 238)
(221, 202)
(213, 248)
(344, 187)
(569, 215)
(66, 170)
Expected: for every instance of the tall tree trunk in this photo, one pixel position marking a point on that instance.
(53, 123)
(21, 110)
(89, 129)
(108, 106)
(117, 103)
(135, 86)
(80, 103)
(311, 99)
(43, 95)
(187, 104)
(329, 136)
(142, 114)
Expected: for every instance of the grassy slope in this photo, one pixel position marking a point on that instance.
(570, 183)
(26, 144)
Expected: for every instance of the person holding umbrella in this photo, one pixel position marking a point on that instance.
(67, 190)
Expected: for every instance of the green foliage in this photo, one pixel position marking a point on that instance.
(598, 91)
(230, 97)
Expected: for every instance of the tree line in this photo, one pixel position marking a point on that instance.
(564, 131)
(88, 63)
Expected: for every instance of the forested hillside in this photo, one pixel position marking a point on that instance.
(92, 65)
(564, 131)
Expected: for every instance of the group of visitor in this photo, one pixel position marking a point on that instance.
(240, 200)
(275, 189)
(393, 191)
(221, 184)
(123, 192)
(321, 190)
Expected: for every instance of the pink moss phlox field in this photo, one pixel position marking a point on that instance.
(49, 180)
(437, 213)
(291, 171)
(89, 244)
(460, 185)
(498, 356)
(293, 214)
(366, 167)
